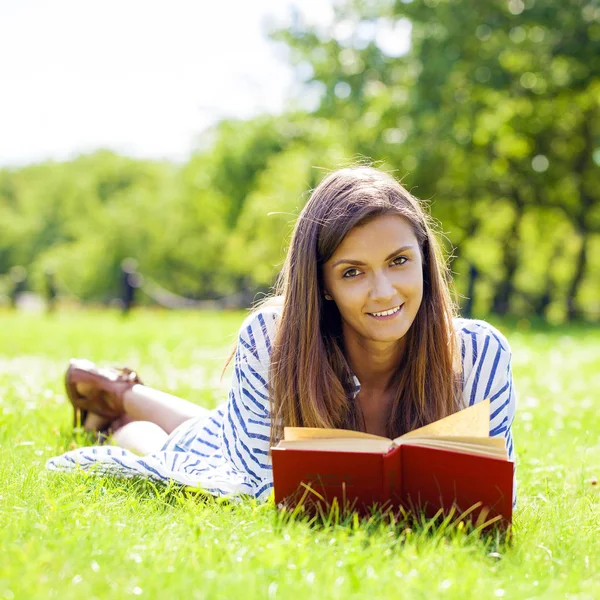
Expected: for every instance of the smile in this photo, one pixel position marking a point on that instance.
(386, 313)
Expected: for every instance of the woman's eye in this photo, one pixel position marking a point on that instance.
(351, 273)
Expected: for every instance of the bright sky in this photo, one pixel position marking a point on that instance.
(143, 77)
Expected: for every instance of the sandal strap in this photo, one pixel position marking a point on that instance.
(105, 380)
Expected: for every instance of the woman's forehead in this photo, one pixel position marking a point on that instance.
(382, 235)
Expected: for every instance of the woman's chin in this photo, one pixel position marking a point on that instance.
(391, 334)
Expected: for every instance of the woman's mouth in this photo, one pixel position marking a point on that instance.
(386, 314)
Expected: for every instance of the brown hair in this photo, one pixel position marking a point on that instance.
(310, 382)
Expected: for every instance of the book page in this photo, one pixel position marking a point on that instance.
(473, 421)
(492, 447)
(484, 442)
(374, 446)
(316, 433)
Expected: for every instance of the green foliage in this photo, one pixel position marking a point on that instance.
(492, 116)
(495, 102)
(256, 248)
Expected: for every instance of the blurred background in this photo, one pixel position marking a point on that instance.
(159, 152)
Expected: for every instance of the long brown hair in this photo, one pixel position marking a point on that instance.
(310, 382)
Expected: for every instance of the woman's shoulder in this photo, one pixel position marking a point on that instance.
(265, 315)
(486, 358)
(480, 338)
(258, 329)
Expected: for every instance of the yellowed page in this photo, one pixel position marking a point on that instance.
(467, 448)
(473, 421)
(375, 446)
(316, 433)
(497, 449)
(485, 442)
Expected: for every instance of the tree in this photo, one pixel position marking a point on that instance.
(475, 116)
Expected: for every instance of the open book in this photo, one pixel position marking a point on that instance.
(466, 431)
(452, 463)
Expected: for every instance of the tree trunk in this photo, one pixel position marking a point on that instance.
(573, 310)
(470, 230)
(467, 310)
(586, 203)
(510, 261)
(542, 303)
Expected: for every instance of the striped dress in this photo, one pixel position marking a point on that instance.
(225, 451)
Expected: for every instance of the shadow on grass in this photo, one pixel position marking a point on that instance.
(405, 526)
(401, 528)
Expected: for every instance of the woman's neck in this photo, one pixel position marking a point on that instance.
(374, 363)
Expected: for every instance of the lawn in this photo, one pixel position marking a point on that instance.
(70, 536)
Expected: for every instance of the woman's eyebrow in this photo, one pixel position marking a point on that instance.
(350, 261)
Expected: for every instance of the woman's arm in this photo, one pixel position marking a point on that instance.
(487, 358)
(246, 423)
(503, 403)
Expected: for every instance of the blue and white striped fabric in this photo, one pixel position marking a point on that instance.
(487, 374)
(225, 451)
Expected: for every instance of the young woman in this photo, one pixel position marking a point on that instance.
(361, 334)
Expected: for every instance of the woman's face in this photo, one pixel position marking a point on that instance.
(375, 277)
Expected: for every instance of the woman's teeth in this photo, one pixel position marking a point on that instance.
(386, 313)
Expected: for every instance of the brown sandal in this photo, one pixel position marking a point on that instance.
(108, 387)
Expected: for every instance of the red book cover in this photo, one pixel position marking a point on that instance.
(318, 476)
(433, 478)
(413, 477)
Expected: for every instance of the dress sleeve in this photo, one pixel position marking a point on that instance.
(247, 421)
(503, 403)
(491, 377)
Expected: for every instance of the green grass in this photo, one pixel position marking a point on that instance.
(70, 536)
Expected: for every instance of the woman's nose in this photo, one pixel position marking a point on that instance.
(381, 288)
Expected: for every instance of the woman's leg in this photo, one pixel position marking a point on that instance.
(149, 417)
(142, 403)
(140, 418)
(141, 437)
